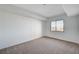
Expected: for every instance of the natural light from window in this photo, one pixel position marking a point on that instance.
(57, 25)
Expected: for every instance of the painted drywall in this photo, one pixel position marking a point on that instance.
(71, 28)
(16, 29)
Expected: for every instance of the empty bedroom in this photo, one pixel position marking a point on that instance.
(39, 28)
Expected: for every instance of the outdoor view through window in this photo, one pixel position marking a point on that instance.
(57, 25)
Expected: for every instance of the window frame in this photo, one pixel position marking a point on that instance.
(56, 26)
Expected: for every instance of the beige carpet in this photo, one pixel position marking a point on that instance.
(43, 46)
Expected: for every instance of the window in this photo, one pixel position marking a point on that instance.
(57, 26)
(53, 26)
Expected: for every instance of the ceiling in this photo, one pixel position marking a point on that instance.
(41, 11)
(46, 10)
(71, 9)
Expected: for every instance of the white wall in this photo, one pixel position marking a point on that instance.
(36, 29)
(71, 28)
(15, 29)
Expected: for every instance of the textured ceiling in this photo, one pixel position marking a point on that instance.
(46, 10)
(41, 11)
(71, 9)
